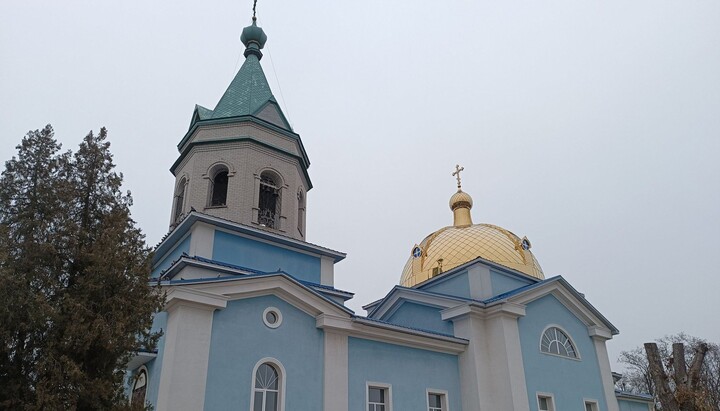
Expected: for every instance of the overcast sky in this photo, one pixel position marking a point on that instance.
(591, 127)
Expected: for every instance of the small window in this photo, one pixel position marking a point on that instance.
(545, 403)
(437, 401)
(301, 212)
(179, 200)
(266, 394)
(269, 201)
(219, 187)
(137, 397)
(378, 398)
(591, 405)
(555, 341)
(272, 317)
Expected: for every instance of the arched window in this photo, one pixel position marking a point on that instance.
(556, 341)
(179, 199)
(266, 391)
(301, 212)
(219, 187)
(137, 397)
(269, 202)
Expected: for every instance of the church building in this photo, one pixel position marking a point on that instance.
(473, 325)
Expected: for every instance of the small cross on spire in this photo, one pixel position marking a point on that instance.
(456, 174)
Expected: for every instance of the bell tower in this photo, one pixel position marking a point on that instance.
(241, 161)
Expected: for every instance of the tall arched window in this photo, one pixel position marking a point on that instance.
(137, 396)
(179, 199)
(266, 391)
(301, 212)
(269, 202)
(219, 187)
(556, 341)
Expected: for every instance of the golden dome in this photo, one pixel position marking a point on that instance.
(464, 241)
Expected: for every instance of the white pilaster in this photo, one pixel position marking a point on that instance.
(187, 349)
(480, 282)
(202, 240)
(491, 369)
(335, 385)
(327, 267)
(605, 371)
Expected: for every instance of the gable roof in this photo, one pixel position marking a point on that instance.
(453, 305)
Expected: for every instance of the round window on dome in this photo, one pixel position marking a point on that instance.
(272, 317)
(417, 252)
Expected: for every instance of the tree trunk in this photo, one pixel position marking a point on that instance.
(660, 378)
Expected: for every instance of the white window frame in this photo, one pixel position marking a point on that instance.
(596, 405)
(281, 383)
(570, 338)
(548, 395)
(444, 402)
(385, 386)
(277, 313)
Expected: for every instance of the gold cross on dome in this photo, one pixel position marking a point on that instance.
(456, 174)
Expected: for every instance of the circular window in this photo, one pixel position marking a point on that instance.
(272, 317)
(417, 252)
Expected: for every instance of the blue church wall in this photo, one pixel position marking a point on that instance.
(410, 371)
(154, 366)
(627, 405)
(426, 317)
(262, 256)
(240, 339)
(167, 261)
(569, 380)
(502, 283)
(456, 285)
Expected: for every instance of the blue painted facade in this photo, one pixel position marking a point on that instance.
(457, 285)
(410, 372)
(503, 283)
(240, 339)
(569, 380)
(422, 316)
(263, 256)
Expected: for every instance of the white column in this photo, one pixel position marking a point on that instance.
(187, 349)
(335, 366)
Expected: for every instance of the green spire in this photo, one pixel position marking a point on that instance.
(249, 93)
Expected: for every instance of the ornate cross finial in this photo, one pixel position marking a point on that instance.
(456, 173)
(254, 5)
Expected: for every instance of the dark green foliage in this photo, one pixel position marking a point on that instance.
(73, 278)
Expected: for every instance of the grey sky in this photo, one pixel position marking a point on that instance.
(591, 127)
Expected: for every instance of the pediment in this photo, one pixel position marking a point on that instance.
(230, 288)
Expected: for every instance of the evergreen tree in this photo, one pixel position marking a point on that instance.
(73, 277)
